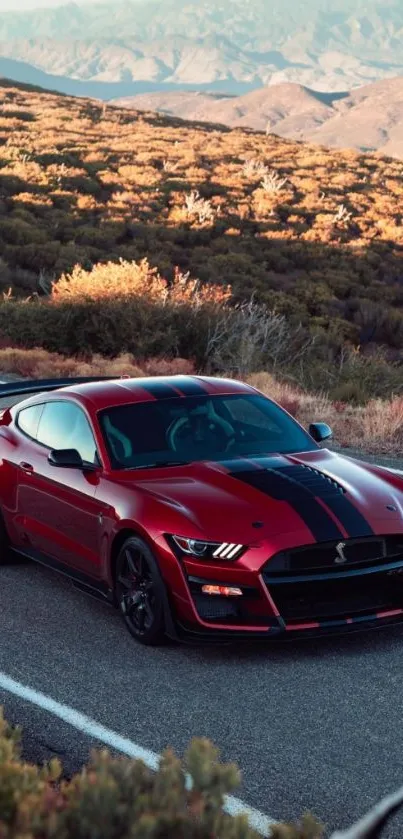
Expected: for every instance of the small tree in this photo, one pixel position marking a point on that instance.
(200, 207)
(342, 216)
(247, 337)
(273, 183)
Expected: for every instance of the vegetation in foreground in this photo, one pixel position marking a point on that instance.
(120, 798)
(375, 427)
(314, 235)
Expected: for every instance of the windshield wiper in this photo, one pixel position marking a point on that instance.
(161, 464)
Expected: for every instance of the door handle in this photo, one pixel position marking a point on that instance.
(26, 467)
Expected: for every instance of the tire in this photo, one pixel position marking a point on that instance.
(139, 592)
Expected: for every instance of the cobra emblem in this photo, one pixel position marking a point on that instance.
(341, 557)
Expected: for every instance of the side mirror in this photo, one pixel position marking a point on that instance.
(67, 458)
(320, 431)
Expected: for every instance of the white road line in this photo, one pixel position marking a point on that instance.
(91, 728)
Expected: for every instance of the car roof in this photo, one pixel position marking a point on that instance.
(99, 395)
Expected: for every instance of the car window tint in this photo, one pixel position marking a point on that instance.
(28, 420)
(199, 428)
(64, 425)
(249, 411)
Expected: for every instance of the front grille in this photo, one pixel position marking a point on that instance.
(338, 598)
(314, 559)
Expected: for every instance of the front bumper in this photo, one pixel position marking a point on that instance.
(192, 635)
(285, 607)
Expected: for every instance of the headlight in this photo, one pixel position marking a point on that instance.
(208, 550)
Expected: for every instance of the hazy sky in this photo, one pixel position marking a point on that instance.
(9, 6)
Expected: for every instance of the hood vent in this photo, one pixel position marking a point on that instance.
(313, 480)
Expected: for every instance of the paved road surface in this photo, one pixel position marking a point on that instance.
(313, 725)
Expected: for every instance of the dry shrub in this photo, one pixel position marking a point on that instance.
(111, 280)
(304, 407)
(244, 337)
(123, 365)
(317, 407)
(287, 395)
(376, 427)
(25, 363)
(184, 290)
(116, 280)
(40, 364)
(382, 421)
(168, 367)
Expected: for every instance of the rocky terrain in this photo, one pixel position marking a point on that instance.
(123, 48)
(369, 118)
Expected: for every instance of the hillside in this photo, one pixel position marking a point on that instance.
(125, 47)
(316, 235)
(368, 118)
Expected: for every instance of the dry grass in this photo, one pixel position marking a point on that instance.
(39, 364)
(376, 427)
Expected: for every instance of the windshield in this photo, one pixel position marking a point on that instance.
(173, 431)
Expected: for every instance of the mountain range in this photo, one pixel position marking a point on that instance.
(114, 49)
(369, 118)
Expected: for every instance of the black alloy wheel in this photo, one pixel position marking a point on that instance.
(139, 592)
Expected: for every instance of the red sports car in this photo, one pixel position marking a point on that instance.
(198, 507)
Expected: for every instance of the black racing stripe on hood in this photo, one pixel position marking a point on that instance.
(352, 520)
(333, 495)
(246, 464)
(272, 483)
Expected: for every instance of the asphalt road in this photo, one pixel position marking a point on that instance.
(314, 725)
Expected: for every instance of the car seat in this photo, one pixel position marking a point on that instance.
(120, 444)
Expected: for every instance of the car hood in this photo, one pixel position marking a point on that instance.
(315, 496)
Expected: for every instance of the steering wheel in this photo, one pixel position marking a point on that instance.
(182, 430)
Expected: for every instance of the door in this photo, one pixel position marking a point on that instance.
(58, 514)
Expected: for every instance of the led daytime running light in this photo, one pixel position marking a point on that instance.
(197, 547)
(227, 550)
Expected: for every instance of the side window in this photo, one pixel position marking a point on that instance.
(28, 420)
(63, 425)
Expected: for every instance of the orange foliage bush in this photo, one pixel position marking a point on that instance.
(111, 280)
(135, 279)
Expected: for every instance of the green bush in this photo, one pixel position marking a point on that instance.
(86, 327)
(119, 798)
